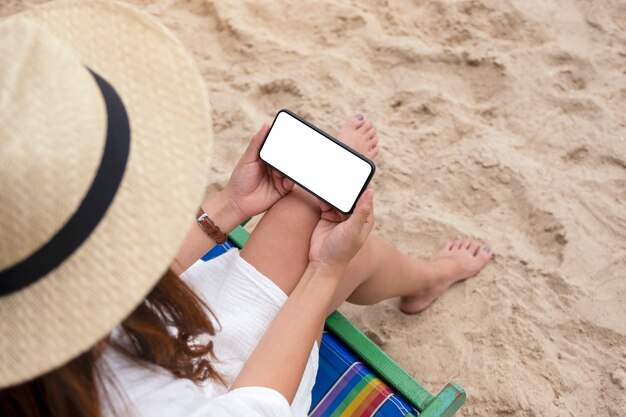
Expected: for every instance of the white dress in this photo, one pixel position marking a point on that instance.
(244, 302)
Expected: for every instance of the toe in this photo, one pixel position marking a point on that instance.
(374, 151)
(485, 253)
(355, 121)
(447, 247)
(457, 244)
(465, 244)
(373, 142)
(370, 134)
(366, 125)
(474, 247)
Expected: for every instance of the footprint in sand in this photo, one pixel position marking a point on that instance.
(278, 94)
(481, 187)
(459, 76)
(571, 72)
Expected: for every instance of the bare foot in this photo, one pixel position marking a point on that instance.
(360, 134)
(454, 262)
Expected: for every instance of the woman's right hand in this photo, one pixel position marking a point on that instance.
(337, 237)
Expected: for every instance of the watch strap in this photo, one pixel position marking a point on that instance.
(210, 228)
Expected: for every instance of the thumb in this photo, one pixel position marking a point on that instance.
(363, 216)
(252, 152)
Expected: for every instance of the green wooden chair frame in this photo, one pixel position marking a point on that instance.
(445, 404)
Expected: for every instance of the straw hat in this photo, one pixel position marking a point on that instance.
(105, 136)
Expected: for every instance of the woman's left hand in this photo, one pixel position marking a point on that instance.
(337, 237)
(253, 186)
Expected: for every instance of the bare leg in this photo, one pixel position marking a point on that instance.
(279, 248)
(279, 245)
(379, 271)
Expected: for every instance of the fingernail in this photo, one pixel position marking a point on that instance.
(360, 116)
(487, 249)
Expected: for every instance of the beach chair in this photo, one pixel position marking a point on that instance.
(356, 378)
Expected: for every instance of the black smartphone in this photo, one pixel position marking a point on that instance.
(319, 163)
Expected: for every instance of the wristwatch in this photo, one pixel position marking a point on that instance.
(210, 228)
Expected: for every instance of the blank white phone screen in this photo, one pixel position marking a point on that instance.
(314, 161)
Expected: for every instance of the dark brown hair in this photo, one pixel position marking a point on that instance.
(166, 329)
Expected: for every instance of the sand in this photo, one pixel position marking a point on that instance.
(500, 120)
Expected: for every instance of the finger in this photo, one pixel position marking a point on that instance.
(324, 206)
(329, 213)
(281, 183)
(276, 176)
(288, 184)
(369, 221)
(252, 152)
(336, 216)
(259, 137)
(363, 213)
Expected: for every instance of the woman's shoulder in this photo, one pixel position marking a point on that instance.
(141, 389)
(137, 381)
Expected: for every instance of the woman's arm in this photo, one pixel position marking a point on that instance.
(279, 360)
(197, 242)
(252, 188)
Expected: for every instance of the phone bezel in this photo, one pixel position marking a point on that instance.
(320, 131)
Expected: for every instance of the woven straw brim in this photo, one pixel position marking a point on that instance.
(64, 314)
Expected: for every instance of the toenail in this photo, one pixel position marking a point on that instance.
(487, 249)
(360, 116)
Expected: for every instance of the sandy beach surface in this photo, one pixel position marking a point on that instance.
(500, 120)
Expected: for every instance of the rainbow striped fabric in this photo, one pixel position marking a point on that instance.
(345, 387)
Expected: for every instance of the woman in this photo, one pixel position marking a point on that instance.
(104, 130)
